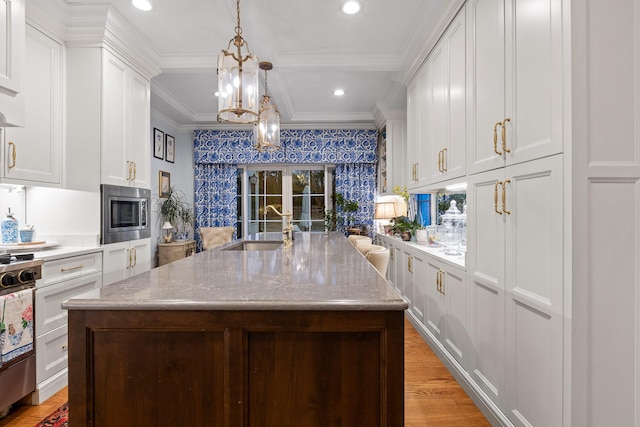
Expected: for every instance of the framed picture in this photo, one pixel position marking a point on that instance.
(164, 184)
(158, 144)
(169, 148)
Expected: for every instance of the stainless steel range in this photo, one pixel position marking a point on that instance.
(18, 275)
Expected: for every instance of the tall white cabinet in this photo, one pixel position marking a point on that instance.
(126, 114)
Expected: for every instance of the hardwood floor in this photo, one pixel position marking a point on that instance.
(432, 395)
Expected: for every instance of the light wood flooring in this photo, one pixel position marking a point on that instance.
(432, 395)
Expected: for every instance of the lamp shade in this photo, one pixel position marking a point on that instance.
(385, 210)
(167, 226)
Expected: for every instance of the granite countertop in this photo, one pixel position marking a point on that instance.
(319, 272)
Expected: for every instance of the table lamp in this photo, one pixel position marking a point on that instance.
(384, 211)
(167, 234)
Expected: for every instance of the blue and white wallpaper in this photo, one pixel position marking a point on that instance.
(217, 154)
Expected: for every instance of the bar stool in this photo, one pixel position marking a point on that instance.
(379, 259)
(215, 236)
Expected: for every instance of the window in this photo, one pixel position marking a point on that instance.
(299, 189)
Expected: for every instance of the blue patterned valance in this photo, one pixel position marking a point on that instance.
(298, 146)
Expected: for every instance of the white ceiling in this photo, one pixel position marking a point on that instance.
(313, 46)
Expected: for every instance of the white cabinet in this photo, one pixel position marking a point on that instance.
(391, 156)
(515, 235)
(126, 259)
(446, 307)
(126, 115)
(12, 28)
(108, 121)
(436, 108)
(32, 154)
(62, 279)
(514, 100)
(414, 282)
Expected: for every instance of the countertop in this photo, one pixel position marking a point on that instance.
(319, 272)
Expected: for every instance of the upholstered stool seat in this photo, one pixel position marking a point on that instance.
(355, 237)
(215, 236)
(379, 259)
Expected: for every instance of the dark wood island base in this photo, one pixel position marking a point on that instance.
(256, 368)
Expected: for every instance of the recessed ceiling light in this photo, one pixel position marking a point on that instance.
(338, 92)
(144, 5)
(351, 7)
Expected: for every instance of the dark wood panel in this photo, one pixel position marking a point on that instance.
(152, 378)
(314, 379)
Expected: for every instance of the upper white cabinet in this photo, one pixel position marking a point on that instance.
(391, 153)
(108, 110)
(514, 81)
(126, 118)
(12, 29)
(32, 154)
(436, 107)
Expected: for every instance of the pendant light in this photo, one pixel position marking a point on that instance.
(237, 81)
(267, 131)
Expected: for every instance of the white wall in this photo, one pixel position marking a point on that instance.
(72, 216)
(182, 173)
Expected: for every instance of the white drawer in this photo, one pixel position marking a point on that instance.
(49, 313)
(51, 353)
(68, 268)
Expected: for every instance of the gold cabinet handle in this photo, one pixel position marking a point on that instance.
(77, 267)
(444, 152)
(495, 138)
(129, 168)
(409, 266)
(135, 171)
(438, 281)
(504, 196)
(495, 197)
(391, 253)
(129, 252)
(442, 273)
(12, 145)
(440, 161)
(135, 257)
(504, 135)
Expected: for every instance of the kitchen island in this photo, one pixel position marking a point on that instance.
(309, 335)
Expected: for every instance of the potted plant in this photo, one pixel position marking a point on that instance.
(342, 215)
(404, 226)
(175, 210)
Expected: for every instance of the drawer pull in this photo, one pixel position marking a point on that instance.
(77, 267)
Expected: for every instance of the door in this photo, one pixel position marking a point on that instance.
(139, 130)
(298, 190)
(485, 266)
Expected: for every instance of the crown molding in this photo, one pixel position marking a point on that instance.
(99, 25)
(446, 14)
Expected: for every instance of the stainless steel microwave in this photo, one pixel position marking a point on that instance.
(125, 213)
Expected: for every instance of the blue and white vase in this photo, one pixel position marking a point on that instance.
(9, 229)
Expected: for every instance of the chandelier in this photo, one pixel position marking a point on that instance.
(237, 81)
(267, 131)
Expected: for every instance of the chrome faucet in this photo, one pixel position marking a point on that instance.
(287, 228)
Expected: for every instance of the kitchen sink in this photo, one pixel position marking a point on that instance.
(255, 245)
